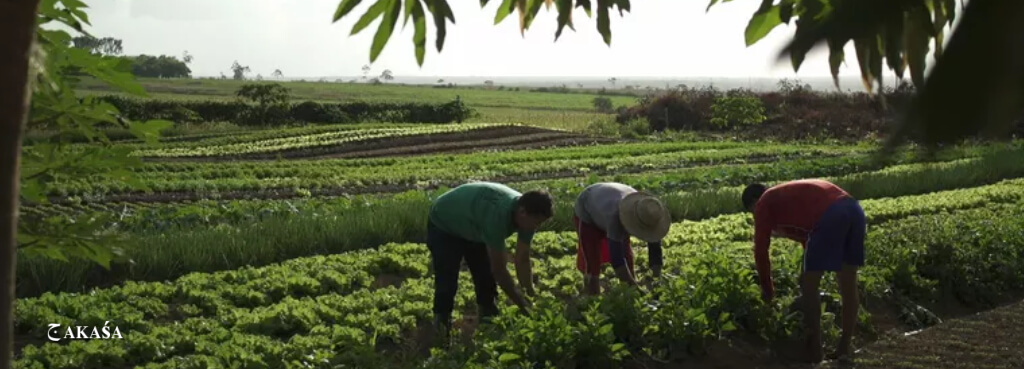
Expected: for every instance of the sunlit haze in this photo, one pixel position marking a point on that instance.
(657, 39)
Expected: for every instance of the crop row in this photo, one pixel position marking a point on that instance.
(336, 175)
(309, 141)
(259, 236)
(253, 135)
(357, 309)
(692, 178)
(146, 215)
(486, 158)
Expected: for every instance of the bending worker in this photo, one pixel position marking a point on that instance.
(606, 215)
(471, 222)
(830, 225)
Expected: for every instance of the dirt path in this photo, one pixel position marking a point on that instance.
(987, 340)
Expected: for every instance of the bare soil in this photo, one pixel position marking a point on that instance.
(990, 339)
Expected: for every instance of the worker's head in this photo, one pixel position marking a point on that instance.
(751, 194)
(534, 208)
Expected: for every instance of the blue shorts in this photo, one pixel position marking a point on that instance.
(837, 238)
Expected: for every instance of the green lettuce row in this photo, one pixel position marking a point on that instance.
(315, 176)
(139, 216)
(308, 141)
(401, 219)
(320, 307)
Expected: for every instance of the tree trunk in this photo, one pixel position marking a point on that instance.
(18, 25)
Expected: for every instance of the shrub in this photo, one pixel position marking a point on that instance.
(179, 114)
(245, 114)
(272, 104)
(603, 127)
(264, 94)
(269, 115)
(314, 112)
(636, 128)
(669, 110)
(602, 104)
(737, 111)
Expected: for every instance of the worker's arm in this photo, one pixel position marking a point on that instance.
(617, 251)
(522, 262)
(501, 275)
(763, 225)
(654, 256)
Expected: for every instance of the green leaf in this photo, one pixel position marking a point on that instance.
(786, 11)
(915, 39)
(419, 38)
(863, 48)
(586, 5)
(761, 24)
(387, 26)
(371, 14)
(894, 43)
(623, 6)
(408, 11)
(950, 7)
(710, 4)
(604, 21)
(504, 10)
(532, 9)
(564, 16)
(729, 327)
(939, 11)
(836, 55)
(33, 191)
(344, 7)
(875, 61)
(508, 357)
(440, 11)
(150, 130)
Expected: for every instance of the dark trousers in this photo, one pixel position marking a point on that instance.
(446, 254)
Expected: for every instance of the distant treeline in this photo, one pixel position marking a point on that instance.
(247, 114)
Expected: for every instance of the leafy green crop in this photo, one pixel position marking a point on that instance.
(324, 311)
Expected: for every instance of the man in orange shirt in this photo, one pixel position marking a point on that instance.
(831, 227)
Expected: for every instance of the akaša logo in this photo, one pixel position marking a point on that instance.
(83, 332)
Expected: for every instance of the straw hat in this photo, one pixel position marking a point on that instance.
(644, 216)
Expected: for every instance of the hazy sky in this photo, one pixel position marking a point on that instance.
(659, 38)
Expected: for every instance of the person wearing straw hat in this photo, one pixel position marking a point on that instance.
(606, 215)
(831, 226)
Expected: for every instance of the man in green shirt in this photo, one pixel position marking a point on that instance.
(471, 222)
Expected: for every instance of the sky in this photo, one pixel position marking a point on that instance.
(657, 39)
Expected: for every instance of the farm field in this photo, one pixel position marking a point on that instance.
(363, 307)
(571, 111)
(302, 246)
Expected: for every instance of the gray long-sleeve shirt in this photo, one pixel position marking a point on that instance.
(598, 204)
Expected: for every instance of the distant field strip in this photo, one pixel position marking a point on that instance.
(403, 173)
(340, 92)
(384, 142)
(301, 142)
